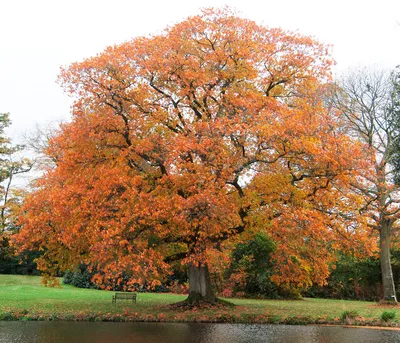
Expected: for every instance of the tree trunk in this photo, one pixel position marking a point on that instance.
(389, 292)
(200, 285)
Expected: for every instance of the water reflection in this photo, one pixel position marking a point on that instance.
(82, 332)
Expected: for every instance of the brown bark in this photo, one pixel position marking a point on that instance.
(200, 289)
(389, 292)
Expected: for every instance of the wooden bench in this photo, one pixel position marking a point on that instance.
(124, 296)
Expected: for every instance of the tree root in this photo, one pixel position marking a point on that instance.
(198, 303)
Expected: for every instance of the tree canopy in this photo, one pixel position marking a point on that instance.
(184, 142)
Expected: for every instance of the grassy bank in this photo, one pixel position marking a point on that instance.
(25, 298)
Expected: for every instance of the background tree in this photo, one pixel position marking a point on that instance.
(37, 142)
(250, 269)
(395, 111)
(11, 165)
(185, 142)
(365, 99)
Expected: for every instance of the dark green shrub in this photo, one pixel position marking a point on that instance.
(7, 316)
(388, 316)
(80, 278)
(356, 279)
(348, 315)
(68, 277)
(350, 278)
(251, 261)
(11, 263)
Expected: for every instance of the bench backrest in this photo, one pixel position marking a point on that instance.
(125, 295)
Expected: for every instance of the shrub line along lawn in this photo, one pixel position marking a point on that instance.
(25, 298)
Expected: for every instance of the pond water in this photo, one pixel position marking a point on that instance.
(82, 332)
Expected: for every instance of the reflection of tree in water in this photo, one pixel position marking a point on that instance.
(85, 332)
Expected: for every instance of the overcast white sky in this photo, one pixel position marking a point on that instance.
(39, 36)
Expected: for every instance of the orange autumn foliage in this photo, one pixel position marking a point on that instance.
(183, 143)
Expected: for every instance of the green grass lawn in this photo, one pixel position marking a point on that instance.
(25, 298)
(18, 292)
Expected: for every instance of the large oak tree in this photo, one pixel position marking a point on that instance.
(183, 142)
